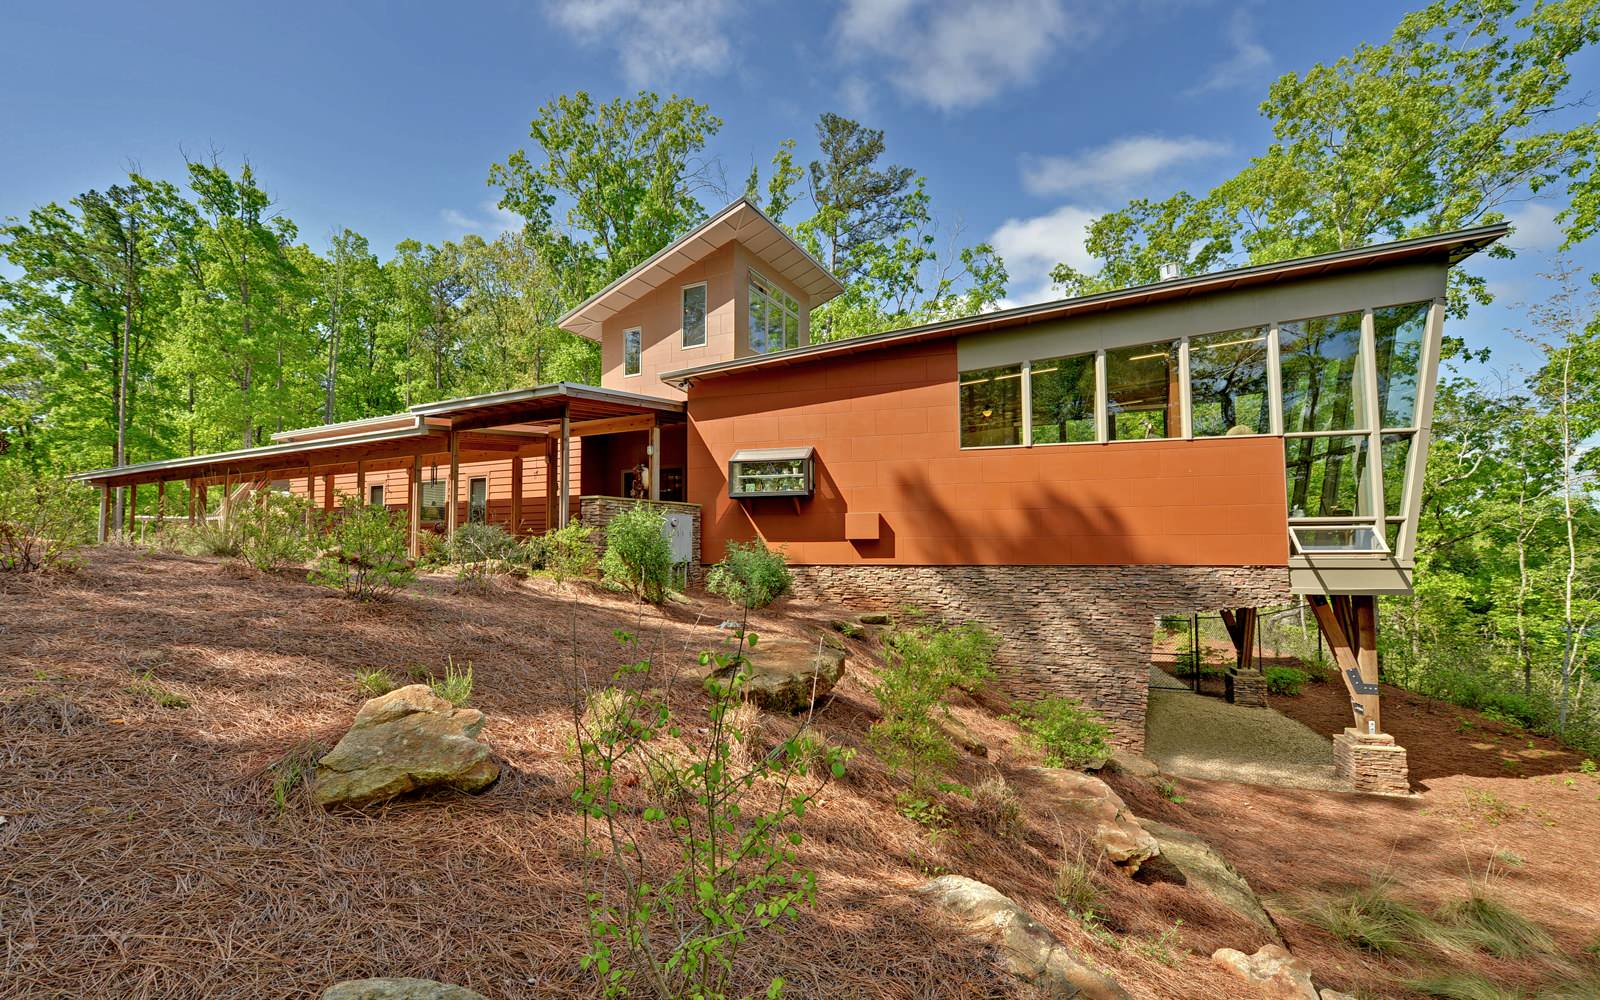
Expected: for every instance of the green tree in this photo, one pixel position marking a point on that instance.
(1440, 127)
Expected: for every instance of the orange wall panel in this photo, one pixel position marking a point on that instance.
(885, 426)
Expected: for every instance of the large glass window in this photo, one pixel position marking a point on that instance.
(478, 500)
(1325, 476)
(1398, 335)
(1228, 383)
(1396, 449)
(1321, 374)
(991, 407)
(1142, 398)
(632, 352)
(774, 317)
(1062, 391)
(694, 316)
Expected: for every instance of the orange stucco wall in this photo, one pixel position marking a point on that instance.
(885, 427)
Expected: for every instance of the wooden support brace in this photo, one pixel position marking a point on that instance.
(516, 495)
(103, 530)
(414, 512)
(1349, 624)
(451, 517)
(161, 502)
(361, 482)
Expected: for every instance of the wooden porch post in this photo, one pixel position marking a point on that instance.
(161, 502)
(550, 473)
(516, 494)
(327, 493)
(192, 488)
(311, 495)
(655, 459)
(133, 508)
(203, 500)
(104, 527)
(454, 487)
(415, 505)
(565, 494)
(361, 480)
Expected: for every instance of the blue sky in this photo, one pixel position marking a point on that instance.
(1026, 116)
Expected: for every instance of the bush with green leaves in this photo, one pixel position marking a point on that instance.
(271, 530)
(209, 537)
(1285, 680)
(750, 575)
(669, 922)
(638, 556)
(922, 665)
(366, 553)
(1069, 734)
(43, 518)
(482, 552)
(569, 552)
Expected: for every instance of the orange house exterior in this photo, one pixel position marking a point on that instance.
(1063, 473)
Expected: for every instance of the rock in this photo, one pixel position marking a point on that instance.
(874, 618)
(847, 628)
(786, 675)
(1025, 948)
(1134, 765)
(1279, 974)
(403, 988)
(1117, 831)
(1336, 995)
(406, 740)
(1206, 870)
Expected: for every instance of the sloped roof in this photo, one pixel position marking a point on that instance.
(740, 221)
(1449, 248)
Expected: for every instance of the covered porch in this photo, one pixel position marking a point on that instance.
(520, 459)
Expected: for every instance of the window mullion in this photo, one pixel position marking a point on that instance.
(1185, 391)
(1101, 402)
(1274, 383)
(1027, 404)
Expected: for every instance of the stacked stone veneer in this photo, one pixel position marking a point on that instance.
(1247, 687)
(1082, 631)
(597, 512)
(1371, 762)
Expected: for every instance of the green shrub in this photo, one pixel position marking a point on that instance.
(532, 554)
(1285, 680)
(43, 519)
(923, 664)
(374, 683)
(569, 552)
(1069, 734)
(480, 543)
(750, 576)
(366, 553)
(455, 686)
(271, 530)
(204, 538)
(638, 556)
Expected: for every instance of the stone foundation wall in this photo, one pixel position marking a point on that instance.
(1081, 631)
(1371, 763)
(597, 512)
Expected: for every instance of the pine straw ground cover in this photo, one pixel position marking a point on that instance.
(142, 854)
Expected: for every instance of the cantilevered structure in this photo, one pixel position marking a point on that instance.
(1062, 472)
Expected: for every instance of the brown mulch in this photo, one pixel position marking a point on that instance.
(142, 856)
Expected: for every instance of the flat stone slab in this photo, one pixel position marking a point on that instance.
(1207, 871)
(400, 988)
(1117, 831)
(787, 675)
(407, 740)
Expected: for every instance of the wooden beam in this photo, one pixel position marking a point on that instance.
(608, 425)
(101, 532)
(451, 518)
(1347, 628)
(516, 495)
(564, 510)
(655, 459)
(414, 532)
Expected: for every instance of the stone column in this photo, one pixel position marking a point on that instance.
(1371, 762)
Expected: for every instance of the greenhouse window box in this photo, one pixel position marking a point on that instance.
(754, 473)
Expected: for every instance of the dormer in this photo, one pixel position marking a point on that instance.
(734, 287)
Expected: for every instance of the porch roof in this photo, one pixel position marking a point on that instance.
(421, 430)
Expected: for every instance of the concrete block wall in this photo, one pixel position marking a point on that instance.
(1081, 631)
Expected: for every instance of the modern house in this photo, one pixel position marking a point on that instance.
(1064, 472)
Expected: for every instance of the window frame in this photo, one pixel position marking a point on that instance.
(771, 294)
(375, 495)
(637, 332)
(683, 331)
(484, 517)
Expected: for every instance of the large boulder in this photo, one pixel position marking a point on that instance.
(1276, 973)
(1025, 947)
(407, 740)
(402, 988)
(1117, 832)
(1204, 869)
(786, 675)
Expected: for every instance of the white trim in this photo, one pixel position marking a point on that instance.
(1027, 404)
(1102, 423)
(1185, 392)
(705, 317)
(1274, 380)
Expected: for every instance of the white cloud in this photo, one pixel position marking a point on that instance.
(1244, 63)
(654, 40)
(1116, 167)
(489, 221)
(1031, 247)
(1534, 227)
(955, 54)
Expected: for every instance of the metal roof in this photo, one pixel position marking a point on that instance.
(741, 221)
(1451, 247)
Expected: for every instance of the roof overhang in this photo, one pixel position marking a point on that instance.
(740, 221)
(1446, 248)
